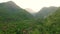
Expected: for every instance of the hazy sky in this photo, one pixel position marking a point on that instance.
(36, 5)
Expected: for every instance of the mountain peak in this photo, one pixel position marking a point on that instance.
(30, 10)
(10, 2)
(11, 10)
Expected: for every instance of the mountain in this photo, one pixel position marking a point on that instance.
(45, 11)
(14, 19)
(31, 11)
(10, 11)
(52, 22)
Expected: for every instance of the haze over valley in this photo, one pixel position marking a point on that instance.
(15, 19)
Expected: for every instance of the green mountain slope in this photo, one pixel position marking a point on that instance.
(45, 11)
(13, 19)
(52, 23)
(11, 11)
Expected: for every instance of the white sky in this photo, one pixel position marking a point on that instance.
(36, 5)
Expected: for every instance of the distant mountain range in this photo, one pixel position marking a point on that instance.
(43, 13)
(10, 8)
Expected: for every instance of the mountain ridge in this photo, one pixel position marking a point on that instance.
(45, 11)
(11, 10)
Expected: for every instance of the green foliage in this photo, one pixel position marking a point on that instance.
(15, 20)
(52, 22)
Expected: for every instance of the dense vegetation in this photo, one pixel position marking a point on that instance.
(15, 20)
(52, 23)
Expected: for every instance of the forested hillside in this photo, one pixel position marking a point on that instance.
(52, 23)
(48, 25)
(15, 20)
(11, 11)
